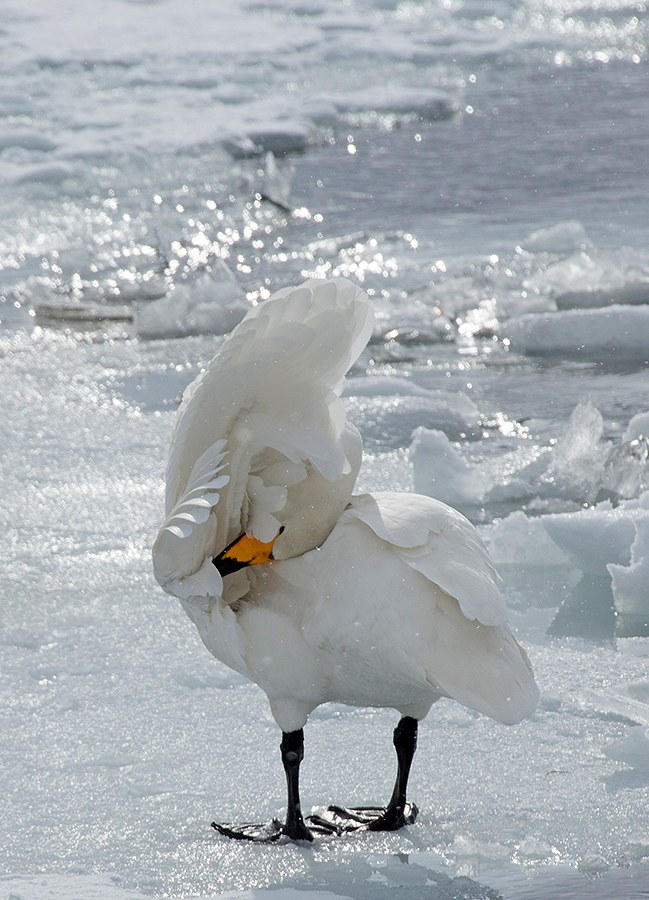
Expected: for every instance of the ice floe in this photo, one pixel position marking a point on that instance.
(630, 582)
(277, 137)
(622, 331)
(211, 302)
(589, 280)
(606, 548)
(605, 544)
(578, 467)
(426, 104)
(564, 237)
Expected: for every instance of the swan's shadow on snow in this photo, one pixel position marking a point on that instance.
(387, 876)
(397, 876)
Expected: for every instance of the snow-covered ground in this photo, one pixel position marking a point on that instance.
(488, 198)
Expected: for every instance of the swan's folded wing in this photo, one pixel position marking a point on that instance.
(179, 561)
(441, 544)
(265, 415)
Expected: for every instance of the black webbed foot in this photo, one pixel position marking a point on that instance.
(336, 819)
(339, 819)
(268, 833)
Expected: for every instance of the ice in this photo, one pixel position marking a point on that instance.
(520, 540)
(578, 460)
(592, 879)
(594, 538)
(427, 104)
(565, 237)
(52, 173)
(275, 184)
(64, 887)
(638, 427)
(391, 420)
(588, 280)
(604, 549)
(578, 466)
(630, 584)
(441, 472)
(627, 468)
(120, 732)
(275, 137)
(608, 548)
(633, 751)
(585, 333)
(588, 612)
(211, 302)
(383, 386)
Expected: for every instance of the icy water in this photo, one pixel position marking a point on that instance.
(481, 169)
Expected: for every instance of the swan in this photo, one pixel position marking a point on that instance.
(316, 594)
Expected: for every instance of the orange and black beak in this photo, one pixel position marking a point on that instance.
(246, 550)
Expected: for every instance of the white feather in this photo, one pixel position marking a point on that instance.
(381, 599)
(441, 544)
(271, 394)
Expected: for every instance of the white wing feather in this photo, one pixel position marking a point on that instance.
(266, 414)
(441, 544)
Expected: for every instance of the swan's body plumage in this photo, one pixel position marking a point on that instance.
(385, 599)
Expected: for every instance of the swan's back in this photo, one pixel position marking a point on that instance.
(400, 606)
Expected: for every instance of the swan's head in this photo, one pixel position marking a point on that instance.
(246, 550)
(281, 521)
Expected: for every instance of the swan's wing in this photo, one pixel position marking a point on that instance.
(441, 544)
(265, 416)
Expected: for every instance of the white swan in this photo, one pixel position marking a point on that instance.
(316, 595)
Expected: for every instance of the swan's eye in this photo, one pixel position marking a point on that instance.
(246, 550)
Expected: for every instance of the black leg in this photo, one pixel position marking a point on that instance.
(397, 813)
(405, 743)
(292, 748)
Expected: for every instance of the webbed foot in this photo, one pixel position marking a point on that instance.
(339, 819)
(268, 833)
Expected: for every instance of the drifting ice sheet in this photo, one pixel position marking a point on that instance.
(585, 333)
